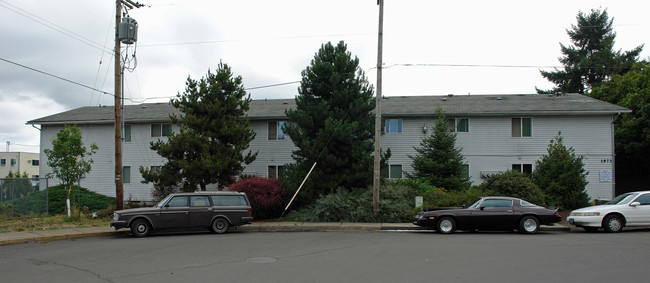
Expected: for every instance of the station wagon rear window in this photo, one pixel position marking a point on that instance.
(236, 200)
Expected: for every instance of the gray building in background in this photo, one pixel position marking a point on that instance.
(496, 133)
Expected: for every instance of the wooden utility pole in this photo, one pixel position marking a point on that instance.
(119, 188)
(377, 164)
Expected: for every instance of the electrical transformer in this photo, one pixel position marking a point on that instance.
(128, 31)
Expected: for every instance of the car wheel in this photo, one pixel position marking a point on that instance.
(219, 226)
(613, 223)
(590, 229)
(140, 228)
(446, 225)
(529, 225)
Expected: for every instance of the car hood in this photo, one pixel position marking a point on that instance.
(599, 208)
(137, 210)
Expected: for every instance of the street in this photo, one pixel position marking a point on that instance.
(334, 257)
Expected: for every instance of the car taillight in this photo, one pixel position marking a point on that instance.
(557, 213)
(250, 212)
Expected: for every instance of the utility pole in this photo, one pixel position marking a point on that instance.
(119, 188)
(377, 163)
(119, 71)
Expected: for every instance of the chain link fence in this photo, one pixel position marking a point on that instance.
(24, 197)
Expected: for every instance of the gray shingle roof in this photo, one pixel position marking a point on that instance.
(396, 106)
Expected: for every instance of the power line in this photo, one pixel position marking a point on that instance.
(240, 40)
(55, 76)
(53, 26)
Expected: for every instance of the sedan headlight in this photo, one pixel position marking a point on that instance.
(585, 214)
(116, 216)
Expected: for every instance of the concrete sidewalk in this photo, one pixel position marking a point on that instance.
(53, 235)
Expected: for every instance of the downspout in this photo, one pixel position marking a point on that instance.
(614, 156)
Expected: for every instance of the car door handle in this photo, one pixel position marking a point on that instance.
(510, 211)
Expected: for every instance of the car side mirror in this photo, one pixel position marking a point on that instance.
(482, 207)
(636, 203)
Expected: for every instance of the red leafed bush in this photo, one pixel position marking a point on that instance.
(267, 196)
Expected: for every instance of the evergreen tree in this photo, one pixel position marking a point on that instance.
(333, 124)
(562, 177)
(591, 58)
(213, 134)
(438, 161)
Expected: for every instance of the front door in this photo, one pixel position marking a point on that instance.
(175, 214)
(494, 214)
(640, 214)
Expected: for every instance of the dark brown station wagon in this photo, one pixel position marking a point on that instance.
(217, 211)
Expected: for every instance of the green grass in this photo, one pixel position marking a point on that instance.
(57, 222)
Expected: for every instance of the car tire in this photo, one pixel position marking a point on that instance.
(529, 224)
(590, 229)
(613, 223)
(446, 225)
(140, 228)
(219, 226)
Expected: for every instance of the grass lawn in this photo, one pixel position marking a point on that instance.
(17, 224)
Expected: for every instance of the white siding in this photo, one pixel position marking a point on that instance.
(488, 146)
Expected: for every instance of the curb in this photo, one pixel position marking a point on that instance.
(55, 235)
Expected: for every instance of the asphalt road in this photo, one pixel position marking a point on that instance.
(334, 257)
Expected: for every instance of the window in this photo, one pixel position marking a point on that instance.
(393, 125)
(392, 172)
(523, 168)
(644, 199)
(3, 162)
(199, 201)
(496, 203)
(229, 200)
(522, 127)
(13, 162)
(179, 201)
(35, 162)
(127, 133)
(466, 170)
(276, 171)
(161, 130)
(460, 125)
(275, 130)
(126, 175)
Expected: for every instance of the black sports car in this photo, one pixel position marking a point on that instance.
(489, 214)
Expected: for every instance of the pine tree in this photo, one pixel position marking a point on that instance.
(438, 160)
(332, 124)
(591, 58)
(214, 133)
(561, 175)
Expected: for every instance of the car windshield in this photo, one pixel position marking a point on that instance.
(161, 203)
(475, 204)
(621, 199)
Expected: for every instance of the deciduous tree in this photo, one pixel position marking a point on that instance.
(69, 159)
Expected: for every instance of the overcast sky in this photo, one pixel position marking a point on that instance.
(430, 48)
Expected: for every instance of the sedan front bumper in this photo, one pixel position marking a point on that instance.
(585, 221)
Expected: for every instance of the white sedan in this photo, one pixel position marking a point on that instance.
(629, 209)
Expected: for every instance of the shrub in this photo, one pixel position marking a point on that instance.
(35, 203)
(514, 184)
(395, 205)
(443, 198)
(267, 196)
